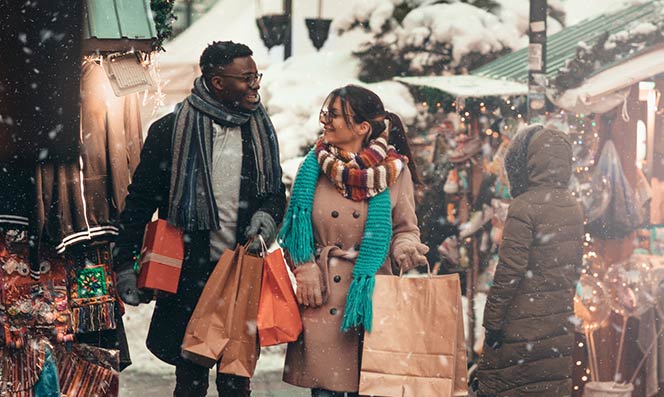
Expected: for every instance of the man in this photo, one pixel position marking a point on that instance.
(212, 169)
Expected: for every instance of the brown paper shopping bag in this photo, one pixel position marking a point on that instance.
(240, 355)
(417, 345)
(224, 319)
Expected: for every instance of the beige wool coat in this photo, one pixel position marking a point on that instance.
(324, 356)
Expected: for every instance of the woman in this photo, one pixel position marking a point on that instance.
(529, 335)
(351, 216)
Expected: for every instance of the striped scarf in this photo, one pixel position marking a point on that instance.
(365, 174)
(191, 202)
(296, 235)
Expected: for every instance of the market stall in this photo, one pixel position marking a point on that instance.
(605, 80)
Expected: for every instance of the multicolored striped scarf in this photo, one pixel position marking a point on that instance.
(365, 174)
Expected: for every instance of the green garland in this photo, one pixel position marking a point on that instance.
(607, 49)
(162, 12)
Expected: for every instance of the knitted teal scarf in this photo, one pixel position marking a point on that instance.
(296, 236)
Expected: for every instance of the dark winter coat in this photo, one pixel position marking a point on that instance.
(531, 299)
(149, 191)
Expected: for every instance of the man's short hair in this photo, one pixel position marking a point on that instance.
(221, 53)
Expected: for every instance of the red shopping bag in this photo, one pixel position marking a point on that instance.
(278, 314)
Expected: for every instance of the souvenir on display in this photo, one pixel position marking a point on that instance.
(92, 290)
(29, 307)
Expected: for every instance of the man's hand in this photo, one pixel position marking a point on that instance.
(493, 338)
(409, 256)
(127, 289)
(311, 290)
(262, 224)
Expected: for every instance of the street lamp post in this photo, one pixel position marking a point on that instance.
(288, 42)
(537, 60)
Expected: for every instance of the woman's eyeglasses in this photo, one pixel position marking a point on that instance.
(326, 116)
(251, 79)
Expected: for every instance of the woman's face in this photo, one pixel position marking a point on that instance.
(337, 132)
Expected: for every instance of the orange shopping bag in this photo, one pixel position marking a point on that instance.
(278, 314)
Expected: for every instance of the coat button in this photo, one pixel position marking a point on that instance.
(337, 278)
(335, 214)
(333, 311)
(356, 214)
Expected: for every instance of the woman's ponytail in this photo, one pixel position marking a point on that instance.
(398, 139)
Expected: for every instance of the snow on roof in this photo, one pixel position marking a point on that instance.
(577, 11)
(468, 86)
(602, 92)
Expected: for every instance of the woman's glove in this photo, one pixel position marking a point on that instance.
(310, 286)
(410, 255)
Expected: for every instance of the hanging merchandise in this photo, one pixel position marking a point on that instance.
(621, 216)
(29, 371)
(91, 289)
(466, 148)
(592, 191)
(28, 307)
(86, 370)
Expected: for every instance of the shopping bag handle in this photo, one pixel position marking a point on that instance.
(264, 251)
(428, 270)
(263, 245)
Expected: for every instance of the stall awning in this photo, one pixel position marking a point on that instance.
(562, 46)
(468, 86)
(118, 25)
(605, 90)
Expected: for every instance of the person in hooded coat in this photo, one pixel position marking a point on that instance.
(529, 333)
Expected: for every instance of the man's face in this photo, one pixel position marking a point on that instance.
(235, 84)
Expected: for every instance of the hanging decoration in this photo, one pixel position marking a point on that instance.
(592, 310)
(162, 13)
(319, 28)
(273, 27)
(607, 49)
(629, 296)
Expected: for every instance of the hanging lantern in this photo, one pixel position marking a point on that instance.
(272, 29)
(272, 26)
(319, 28)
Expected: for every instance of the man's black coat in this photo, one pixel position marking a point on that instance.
(149, 191)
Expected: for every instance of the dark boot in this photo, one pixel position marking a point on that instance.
(191, 380)
(233, 385)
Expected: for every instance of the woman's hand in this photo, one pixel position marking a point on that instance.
(310, 286)
(410, 255)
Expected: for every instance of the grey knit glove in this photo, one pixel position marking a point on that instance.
(261, 223)
(127, 288)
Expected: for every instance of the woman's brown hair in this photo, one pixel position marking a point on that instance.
(367, 106)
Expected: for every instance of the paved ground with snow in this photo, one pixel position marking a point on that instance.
(265, 384)
(149, 377)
